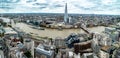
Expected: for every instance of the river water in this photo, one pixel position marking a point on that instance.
(53, 33)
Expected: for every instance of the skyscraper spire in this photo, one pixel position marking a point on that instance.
(66, 14)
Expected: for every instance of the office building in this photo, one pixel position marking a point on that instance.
(59, 42)
(117, 53)
(106, 51)
(29, 44)
(42, 52)
(1, 54)
(66, 19)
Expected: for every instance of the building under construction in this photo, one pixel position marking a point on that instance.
(83, 47)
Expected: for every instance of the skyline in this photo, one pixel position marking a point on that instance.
(110, 7)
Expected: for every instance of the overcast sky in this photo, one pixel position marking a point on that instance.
(57, 6)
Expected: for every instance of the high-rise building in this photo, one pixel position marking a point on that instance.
(66, 20)
(117, 54)
(30, 45)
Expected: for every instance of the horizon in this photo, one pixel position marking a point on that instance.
(109, 7)
(63, 14)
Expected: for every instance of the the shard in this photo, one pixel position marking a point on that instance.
(66, 14)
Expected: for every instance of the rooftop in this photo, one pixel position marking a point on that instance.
(108, 49)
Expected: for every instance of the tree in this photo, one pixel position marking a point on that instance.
(4, 23)
(28, 54)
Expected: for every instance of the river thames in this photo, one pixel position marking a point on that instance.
(53, 33)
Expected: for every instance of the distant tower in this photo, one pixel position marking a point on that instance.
(66, 15)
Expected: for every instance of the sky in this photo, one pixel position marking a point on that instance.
(57, 6)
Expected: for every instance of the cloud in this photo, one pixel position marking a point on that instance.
(107, 2)
(55, 6)
(9, 1)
